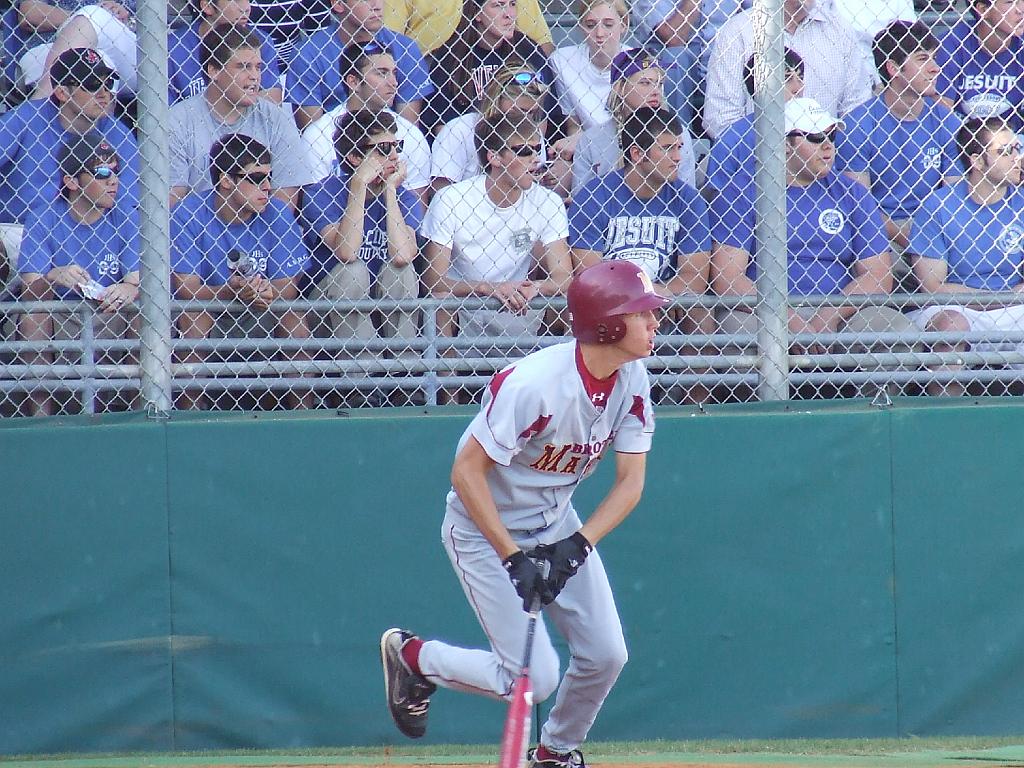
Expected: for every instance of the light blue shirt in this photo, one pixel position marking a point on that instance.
(980, 85)
(314, 75)
(108, 249)
(201, 241)
(905, 159)
(185, 74)
(30, 139)
(607, 216)
(830, 225)
(982, 245)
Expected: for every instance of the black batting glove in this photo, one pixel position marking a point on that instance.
(566, 557)
(527, 579)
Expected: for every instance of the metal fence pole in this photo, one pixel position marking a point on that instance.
(154, 173)
(770, 205)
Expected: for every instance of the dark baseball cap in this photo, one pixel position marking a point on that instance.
(633, 60)
(83, 153)
(79, 65)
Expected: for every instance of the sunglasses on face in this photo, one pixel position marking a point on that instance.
(385, 147)
(102, 172)
(1010, 149)
(525, 150)
(817, 138)
(257, 178)
(94, 84)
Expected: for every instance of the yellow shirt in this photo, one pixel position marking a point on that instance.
(431, 22)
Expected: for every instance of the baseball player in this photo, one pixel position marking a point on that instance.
(544, 423)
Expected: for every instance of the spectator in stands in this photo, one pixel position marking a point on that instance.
(644, 214)
(836, 241)
(968, 237)
(583, 72)
(237, 242)
(108, 27)
(232, 103)
(287, 22)
(867, 18)
(833, 72)
(485, 40)
(32, 133)
(369, 73)
(981, 62)
(185, 70)
(314, 84)
(431, 22)
(514, 87)
(731, 159)
(84, 244)
(363, 228)
(638, 80)
(901, 143)
(484, 234)
(680, 32)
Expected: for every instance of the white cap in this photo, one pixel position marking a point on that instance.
(808, 116)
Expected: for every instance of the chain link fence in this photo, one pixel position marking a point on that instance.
(284, 205)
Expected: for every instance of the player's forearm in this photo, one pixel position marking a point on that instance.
(476, 497)
(615, 508)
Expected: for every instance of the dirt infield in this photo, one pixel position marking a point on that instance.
(746, 761)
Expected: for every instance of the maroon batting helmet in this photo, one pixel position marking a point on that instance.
(600, 295)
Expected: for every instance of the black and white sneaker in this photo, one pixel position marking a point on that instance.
(572, 759)
(408, 693)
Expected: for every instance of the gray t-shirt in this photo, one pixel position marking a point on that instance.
(194, 129)
(597, 153)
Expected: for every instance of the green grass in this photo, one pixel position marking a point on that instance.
(625, 750)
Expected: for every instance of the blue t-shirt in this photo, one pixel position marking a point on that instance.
(201, 242)
(607, 216)
(30, 139)
(982, 245)
(906, 159)
(108, 248)
(830, 225)
(731, 159)
(314, 75)
(185, 73)
(325, 203)
(980, 85)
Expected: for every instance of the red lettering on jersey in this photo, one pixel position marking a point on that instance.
(571, 466)
(536, 428)
(637, 409)
(549, 460)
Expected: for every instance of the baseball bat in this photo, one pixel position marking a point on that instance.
(516, 735)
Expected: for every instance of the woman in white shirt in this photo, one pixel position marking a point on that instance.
(583, 72)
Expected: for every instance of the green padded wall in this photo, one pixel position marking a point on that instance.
(222, 582)
(84, 622)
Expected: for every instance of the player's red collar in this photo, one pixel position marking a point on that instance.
(597, 389)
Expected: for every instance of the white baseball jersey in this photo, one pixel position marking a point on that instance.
(540, 425)
(489, 243)
(319, 136)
